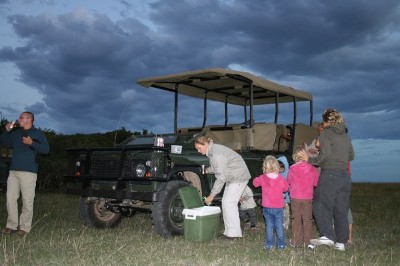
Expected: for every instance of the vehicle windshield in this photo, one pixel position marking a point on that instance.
(149, 139)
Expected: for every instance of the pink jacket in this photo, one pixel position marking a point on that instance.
(272, 186)
(302, 179)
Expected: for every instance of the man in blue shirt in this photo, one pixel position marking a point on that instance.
(27, 142)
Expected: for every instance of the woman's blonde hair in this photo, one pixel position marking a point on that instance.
(203, 140)
(332, 117)
(296, 153)
(270, 165)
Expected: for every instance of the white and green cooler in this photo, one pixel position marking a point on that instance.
(201, 223)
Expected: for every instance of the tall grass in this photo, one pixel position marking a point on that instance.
(59, 238)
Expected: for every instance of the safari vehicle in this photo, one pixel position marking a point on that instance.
(5, 161)
(146, 172)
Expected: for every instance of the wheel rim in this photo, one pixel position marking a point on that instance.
(101, 211)
(175, 211)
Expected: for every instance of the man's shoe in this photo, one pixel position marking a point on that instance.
(339, 246)
(323, 240)
(7, 231)
(22, 233)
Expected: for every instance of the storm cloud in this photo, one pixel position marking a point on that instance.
(85, 63)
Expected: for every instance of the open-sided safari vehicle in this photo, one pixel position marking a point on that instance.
(146, 172)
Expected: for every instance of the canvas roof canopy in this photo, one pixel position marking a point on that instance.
(226, 85)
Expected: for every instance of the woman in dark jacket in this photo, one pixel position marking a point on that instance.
(332, 195)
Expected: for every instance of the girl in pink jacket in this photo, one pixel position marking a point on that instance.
(302, 179)
(272, 186)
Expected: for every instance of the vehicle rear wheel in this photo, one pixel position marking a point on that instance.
(167, 211)
(94, 213)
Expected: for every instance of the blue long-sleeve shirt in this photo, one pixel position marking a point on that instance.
(24, 156)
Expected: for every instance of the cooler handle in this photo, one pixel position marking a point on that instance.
(190, 216)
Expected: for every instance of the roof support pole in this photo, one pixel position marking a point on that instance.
(205, 110)
(294, 121)
(294, 110)
(245, 110)
(176, 109)
(251, 105)
(311, 112)
(226, 111)
(276, 107)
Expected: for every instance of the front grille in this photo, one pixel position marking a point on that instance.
(106, 164)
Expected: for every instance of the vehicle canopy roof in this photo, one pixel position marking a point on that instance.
(225, 85)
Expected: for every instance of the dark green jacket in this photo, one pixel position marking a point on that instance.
(336, 150)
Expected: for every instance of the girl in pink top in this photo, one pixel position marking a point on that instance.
(302, 179)
(272, 185)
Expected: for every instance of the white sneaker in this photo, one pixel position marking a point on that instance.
(339, 246)
(311, 246)
(323, 240)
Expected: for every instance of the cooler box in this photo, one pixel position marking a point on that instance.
(201, 223)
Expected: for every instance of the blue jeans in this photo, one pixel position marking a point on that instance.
(274, 220)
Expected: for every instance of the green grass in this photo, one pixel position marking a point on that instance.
(59, 238)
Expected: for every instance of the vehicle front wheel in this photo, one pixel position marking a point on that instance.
(94, 213)
(167, 211)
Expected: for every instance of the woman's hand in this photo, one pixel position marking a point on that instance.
(209, 200)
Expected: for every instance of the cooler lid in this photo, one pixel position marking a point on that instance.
(190, 197)
(191, 214)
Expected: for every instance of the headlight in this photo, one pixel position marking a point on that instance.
(140, 170)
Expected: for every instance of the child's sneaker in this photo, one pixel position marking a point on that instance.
(268, 248)
(246, 226)
(311, 246)
(339, 246)
(291, 244)
(323, 240)
(253, 230)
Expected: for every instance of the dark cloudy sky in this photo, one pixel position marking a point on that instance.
(75, 63)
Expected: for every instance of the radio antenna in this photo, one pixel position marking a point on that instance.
(119, 121)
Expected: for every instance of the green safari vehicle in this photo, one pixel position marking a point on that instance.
(146, 172)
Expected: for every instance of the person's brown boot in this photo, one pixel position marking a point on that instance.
(21, 233)
(7, 231)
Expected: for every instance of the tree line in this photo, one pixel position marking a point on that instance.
(52, 167)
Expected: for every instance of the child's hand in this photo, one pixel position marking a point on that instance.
(304, 156)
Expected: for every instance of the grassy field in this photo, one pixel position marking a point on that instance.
(59, 238)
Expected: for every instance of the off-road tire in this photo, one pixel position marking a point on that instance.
(167, 211)
(93, 214)
(83, 212)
